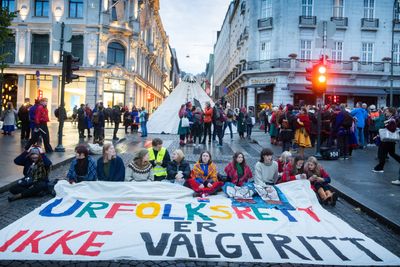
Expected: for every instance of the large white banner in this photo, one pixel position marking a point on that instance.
(160, 221)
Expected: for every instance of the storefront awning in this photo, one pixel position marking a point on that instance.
(342, 91)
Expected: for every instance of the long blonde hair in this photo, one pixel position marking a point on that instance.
(105, 148)
(317, 169)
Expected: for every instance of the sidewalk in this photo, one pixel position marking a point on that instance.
(354, 180)
(11, 147)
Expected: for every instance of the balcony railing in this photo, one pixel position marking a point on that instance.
(265, 23)
(307, 21)
(341, 22)
(369, 24)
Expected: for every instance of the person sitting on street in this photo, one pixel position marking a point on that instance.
(36, 172)
(178, 170)
(110, 167)
(283, 161)
(159, 159)
(204, 179)
(294, 170)
(237, 171)
(140, 168)
(83, 167)
(320, 180)
(266, 170)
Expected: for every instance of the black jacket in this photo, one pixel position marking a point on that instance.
(173, 168)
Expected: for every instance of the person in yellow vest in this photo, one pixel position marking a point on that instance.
(159, 159)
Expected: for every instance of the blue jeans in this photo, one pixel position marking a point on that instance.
(360, 136)
(143, 126)
(228, 124)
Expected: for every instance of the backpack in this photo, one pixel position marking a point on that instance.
(197, 119)
(347, 120)
(56, 113)
(146, 116)
(96, 117)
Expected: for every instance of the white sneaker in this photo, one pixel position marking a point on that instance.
(396, 182)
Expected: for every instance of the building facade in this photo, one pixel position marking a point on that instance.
(271, 43)
(121, 46)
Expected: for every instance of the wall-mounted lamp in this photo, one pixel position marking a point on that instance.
(24, 12)
(58, 12)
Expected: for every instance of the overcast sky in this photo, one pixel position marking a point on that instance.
(192, 27)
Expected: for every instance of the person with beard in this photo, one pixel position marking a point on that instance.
(36, 171)
(140, 169)
(83, 167)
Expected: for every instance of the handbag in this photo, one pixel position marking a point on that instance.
(185, 122)
(388, 136)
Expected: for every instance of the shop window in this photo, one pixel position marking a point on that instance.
(41, 8)
(8, 48)
(116, 54)
(40, 49)
(77, 47)
(10, 90)
(76, 9)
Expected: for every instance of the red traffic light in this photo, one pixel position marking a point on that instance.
(317, 75)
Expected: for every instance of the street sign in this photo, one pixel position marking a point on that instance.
(67, 47)
(56, 31)
(330, 28)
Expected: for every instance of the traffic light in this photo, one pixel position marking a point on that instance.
(71, 66)
(317, 75)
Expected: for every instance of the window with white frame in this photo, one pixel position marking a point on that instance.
(369, 9)
(265, 50)
(305, 49)
(396, 53)
(266, 9)
(367, 53)
(337, 51)
(307, 8)
(338, 10)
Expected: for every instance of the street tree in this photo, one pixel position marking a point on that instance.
(6, 18)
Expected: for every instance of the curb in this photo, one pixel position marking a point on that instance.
(370, 212)
(6, 187)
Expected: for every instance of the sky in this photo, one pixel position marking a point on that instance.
(192, 27)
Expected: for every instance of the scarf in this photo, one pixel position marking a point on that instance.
(239, 170)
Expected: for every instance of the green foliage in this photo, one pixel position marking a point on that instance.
(5, 22)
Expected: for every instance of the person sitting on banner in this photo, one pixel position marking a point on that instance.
(110, 167)
(159, 159)
(83, 167)
(237, 171)
(204, 179)
(294, 170)
(140, 168)
(283, 161)
(320, 180)
(36, 172)
(266, 170)
(238, 177)
(178, 170)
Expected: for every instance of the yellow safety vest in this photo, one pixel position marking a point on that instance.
(158, 170)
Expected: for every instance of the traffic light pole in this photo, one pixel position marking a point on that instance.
(61, 109)
(320, 102)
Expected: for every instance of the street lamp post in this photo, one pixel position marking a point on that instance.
(396, 11)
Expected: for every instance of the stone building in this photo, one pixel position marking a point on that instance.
(121, 45)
